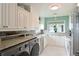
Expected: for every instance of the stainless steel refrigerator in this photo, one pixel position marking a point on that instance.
(75, 32)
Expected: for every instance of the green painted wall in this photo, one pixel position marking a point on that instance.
(59, 18)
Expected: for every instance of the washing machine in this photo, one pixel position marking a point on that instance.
(34, 47)
(21, 49)
(24, 50)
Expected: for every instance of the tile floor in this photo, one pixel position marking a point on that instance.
(54, 48)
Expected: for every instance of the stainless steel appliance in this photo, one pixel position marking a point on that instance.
(75, 41)
(21, 49)
(34, 47)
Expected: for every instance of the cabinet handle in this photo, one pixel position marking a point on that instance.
(25, 45)
(35, 41)
(24, 27)
(20, 48)
(5, 26)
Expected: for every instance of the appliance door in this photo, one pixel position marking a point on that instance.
(33, 42)
(35, 50)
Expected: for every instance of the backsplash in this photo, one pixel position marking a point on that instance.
(11, 34)
(14, 34)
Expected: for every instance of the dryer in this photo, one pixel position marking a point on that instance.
(34, 47)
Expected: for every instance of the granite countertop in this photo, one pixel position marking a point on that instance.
(11, 42)
(39, 35)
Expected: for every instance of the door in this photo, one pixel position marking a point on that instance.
(35, 50)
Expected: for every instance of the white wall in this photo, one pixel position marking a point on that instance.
(70, 23)
(42, 21)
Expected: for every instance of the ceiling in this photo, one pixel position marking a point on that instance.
(43, 10)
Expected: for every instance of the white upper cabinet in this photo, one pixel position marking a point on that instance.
(34, 21)
(27, 20)
(23, 18)
(4, 19)
(20, 15)
(12, 16)
(9, 15)
(0, 15)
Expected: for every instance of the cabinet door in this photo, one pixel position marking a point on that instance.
(0, 15)
(41, 44)
(27, 18)
(24, 19)
(4, 15)
(9, 15)
(12, 17)
(20, 17)
(34, 21)
(31, 21)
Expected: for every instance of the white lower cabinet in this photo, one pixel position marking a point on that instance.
(67, 46)
(45, 41)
